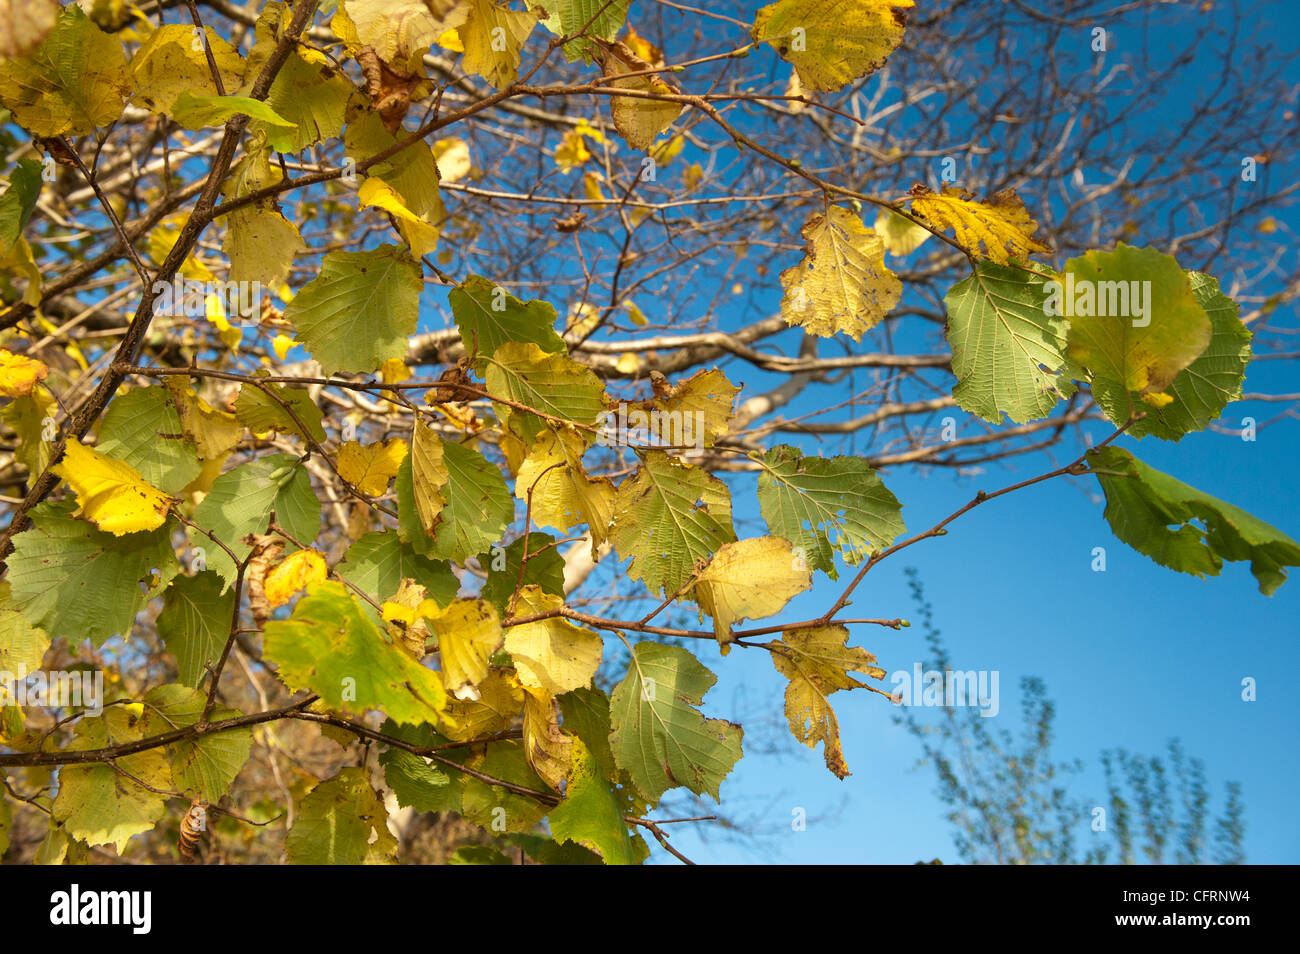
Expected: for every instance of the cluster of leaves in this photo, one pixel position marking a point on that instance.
(212, 508)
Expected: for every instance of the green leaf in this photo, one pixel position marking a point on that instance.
(586, 715)
(309, 94)
(827, 504)
(488, 317)
(360, 310)
(72, 83)
(241, 500)
(143, 428)
(1132, 352)
(204, 766)
(329, 645)
(80, 583)
(378, 562)
(544, 851)
(260, 412)
(336, 822)
(22, 645)
(17, 202)
(552, 384)
(667, 517)
(1203, 389)
(53, 849)
(195, 623)
(1184, 529)
(589, 814)
(659, 737)
(600, 18)
(195, 112)
(417, 782)
(98, 804)
(260, 242)
(1007, 352)
(478, 509)
(545, 569)
(491, 806)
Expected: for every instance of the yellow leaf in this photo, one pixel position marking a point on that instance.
(551, 654)
(794, 88)
(419, 233)
(493, 38)
(640, 119)
(428, 475)
(562, 494)
(831, 42)
(749, 579)
(399, 31)
(547, 747)
(665, 152)
(394, 371)
(591, 187)
(111, 493)
(73, 82)
(369, 468)
(450, 40)
(900, 234)
(498, 704)
(817, 662)
(292, 575)
(213, 432)
(282, 345)
(403, 618)
(19, 374)
(453, 159)
(572, 150)
(842, 284)
(692, 414)
(628, 363)
(643, 47)
(161, 240)
(172, 61)
(468, 632)
(635, 314)
(1001, 227)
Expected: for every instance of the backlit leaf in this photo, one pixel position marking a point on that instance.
(998, 230)
(111, 494)
(659, 736)
(331, 647)
(817, 662)
(831, 42)
(842, 284)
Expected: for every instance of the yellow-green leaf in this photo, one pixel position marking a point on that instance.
(842, 284)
